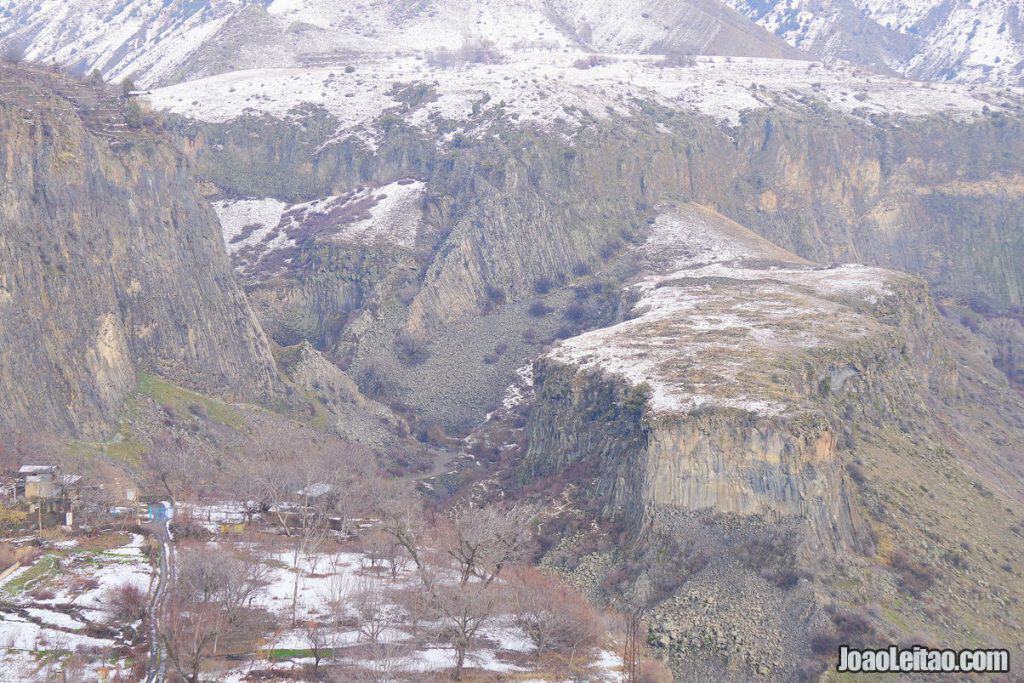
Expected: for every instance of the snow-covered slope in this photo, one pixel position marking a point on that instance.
(969, 41)
(264, 236)
(716, 306)
(554, 90)
(162, 42)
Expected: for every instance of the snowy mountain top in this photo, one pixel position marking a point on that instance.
(160, 43)
(966, 41)
(554, 88)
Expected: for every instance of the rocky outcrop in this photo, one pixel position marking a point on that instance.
(347, 412)
(940, 199)
(726, 386)
(110, 263)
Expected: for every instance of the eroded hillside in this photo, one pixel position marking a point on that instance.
(110, 263)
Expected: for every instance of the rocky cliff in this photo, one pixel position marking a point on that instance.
(522, 205)
(110, 263)
(727, 384)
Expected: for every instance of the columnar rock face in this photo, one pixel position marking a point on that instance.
(110, 263)
(725, 386)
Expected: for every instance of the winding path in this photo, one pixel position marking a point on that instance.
(156, 668)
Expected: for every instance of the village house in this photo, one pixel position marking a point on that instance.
(48, 489)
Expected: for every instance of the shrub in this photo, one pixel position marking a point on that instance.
(411, 348)
(554, 617)
(133, 115)
(772, 553)
(8, 555)
(914, 577)
(125, 603)
(678, 59)
(373, 382)
(472, 51)
(856, 473)
(590, 61)
(13, 53)
(538, 309)
(575, 313)
(494, 295)
(653, 671)
(824, 644)
(543, 285)
(581, 270)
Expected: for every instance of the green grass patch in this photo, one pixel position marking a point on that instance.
(292, 653)
(127, 449)
(185, 403)
(36, 572)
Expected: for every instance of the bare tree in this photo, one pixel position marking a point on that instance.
(280, 461)
(177, 465)
(320, 641)
(475, 545)
(207, 604)
(306, 480)
(484, 541)
(462, 611)
(188, 631)
(553, 616)
(375, 611)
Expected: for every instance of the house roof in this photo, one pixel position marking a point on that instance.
(315, 490)
(37, 469)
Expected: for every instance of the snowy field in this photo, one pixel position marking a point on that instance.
(328, 589)
(56, 607)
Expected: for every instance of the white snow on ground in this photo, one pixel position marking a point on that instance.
(58, 619)
(237, 214)
(719, 306)
(328, 585)
(516, 392)
(254, 229)
(18, 634)
(395, 218)
(79, 582)
(547, 88)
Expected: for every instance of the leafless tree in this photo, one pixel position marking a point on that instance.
(462, 611)
(281, 461)
(475, 545)
(376, 612)
(207, 604)
(484, 541)
(177, 465)
(553, 616)
(305, 479)
(320, 641)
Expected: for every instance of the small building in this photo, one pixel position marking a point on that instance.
(315, 491)
(37, 481)
(48, 489)
(156, 511)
